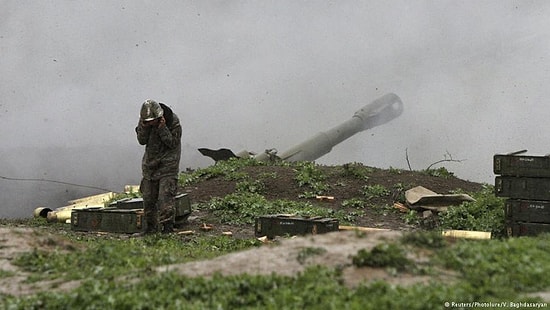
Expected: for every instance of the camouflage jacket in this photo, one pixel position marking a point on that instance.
(162, 147)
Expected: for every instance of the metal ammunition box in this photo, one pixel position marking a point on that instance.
(183, 206)
(523, 188)
(123, 216)
(183, 209)
(533, 211)
(108, 220)
(282, 225)
(128, 203)
(518, 229)
(521, 165)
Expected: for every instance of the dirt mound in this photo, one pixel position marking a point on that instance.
(19, 240)
(291, 256)
(286, 256)
(343, 184)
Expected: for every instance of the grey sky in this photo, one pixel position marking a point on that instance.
(253, 75)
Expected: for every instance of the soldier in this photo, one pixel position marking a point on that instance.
(159, 130)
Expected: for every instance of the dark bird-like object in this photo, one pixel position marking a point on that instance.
(217, 155)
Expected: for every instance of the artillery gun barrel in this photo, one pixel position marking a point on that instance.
(378, 112)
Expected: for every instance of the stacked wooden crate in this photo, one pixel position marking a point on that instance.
(525, 181)
(123, 216)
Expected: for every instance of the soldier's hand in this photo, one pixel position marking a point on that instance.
(162, 122)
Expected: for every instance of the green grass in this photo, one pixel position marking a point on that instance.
(357, 170)
(484, 214)
(109, 258)
(119, 273)
(242, 208)
(309, 176)
(382, 255)
(375, 191)
(228, 169)
(486, 271)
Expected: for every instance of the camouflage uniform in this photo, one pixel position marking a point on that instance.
(160, 168)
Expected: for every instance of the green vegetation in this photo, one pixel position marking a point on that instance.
(6, 274)
(374, 191)
(109, 258)
(399, 190)
(411, 218)
(383, 255)
(425, 239)
(120, 196)
(515, 264)
(441, 172)
(484, 271)
(357, 170)
(484, 214)
(121, 273)
(245, 207)
(309, 175)
(357, 203)
(392, 170)
(256, 186)
(228, 169)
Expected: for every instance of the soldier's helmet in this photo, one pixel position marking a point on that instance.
(151, 110)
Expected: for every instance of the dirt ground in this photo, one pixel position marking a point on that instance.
(282, 256)
(342, 187)
(289, 257)
(18, 240)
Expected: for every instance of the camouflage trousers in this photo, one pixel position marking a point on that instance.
(159, 201)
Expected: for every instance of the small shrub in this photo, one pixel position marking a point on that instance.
(425, 239)
(239, 207)
(395, 170)
(484, 214)
(357, 170)
(375, 191)
(256, 186)
(382, 255)
(308, 174)
(357, 203)
(440, 172)
(411, 218)
(398, 191)
(351, 216)
(228, 169)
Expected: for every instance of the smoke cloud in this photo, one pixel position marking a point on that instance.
(257, 75)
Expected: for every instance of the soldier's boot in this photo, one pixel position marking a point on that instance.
(151, 225)
(168, 227)
(151, 229)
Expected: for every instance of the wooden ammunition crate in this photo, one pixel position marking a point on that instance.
(283, 225)
(519, 229)
(183, 207)
(521, 165)
(108, 220)
(127, 203)
(124, 216)
(522, 188)
(534, 211)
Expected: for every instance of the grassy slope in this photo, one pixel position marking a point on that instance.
(117, 272)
